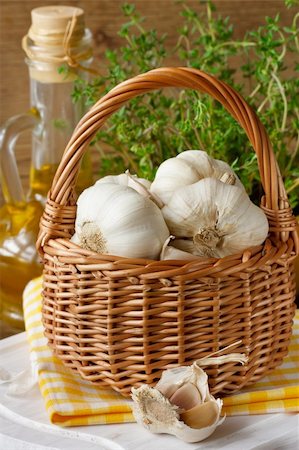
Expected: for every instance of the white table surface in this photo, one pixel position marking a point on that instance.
(272, 431)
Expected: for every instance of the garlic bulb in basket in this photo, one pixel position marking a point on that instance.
(212, 218)
(187, 168)
(180, 404)
(115, 219)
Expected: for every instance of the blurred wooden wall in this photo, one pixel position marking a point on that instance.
(104, 18)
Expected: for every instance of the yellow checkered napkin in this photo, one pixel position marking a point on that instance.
(72, 401)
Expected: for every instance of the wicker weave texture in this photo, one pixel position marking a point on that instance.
(121, 322)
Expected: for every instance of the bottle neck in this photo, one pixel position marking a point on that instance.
(57, 38)
(51, 96)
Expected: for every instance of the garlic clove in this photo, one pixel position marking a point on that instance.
(171, 174)
(202, 415)
(185, 374)
(200, 161)
(174, 253)
(186, 397)
(187, 246)
(167, 389)
(170, 252)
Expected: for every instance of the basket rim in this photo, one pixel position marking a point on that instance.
(63, 252)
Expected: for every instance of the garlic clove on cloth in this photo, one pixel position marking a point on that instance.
(180, 404)
(201, 415)
(214, 219)
(115, 219)
(187, 168)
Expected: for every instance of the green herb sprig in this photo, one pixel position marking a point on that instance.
(157, 126)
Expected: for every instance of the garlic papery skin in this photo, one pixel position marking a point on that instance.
(214, 219)
(125, 179)
(140, 185)
(115, 219)
(187, 168)
(188, 387)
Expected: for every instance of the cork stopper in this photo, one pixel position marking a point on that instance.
(49, 24)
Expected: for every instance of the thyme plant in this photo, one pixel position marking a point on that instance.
(156, 126)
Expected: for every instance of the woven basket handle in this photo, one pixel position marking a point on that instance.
(62, 190)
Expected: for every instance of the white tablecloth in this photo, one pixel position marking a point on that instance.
(24, 423)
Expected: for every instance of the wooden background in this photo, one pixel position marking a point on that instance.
(104, 18)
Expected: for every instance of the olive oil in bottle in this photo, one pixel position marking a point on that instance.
(57, 38)
(18, 259)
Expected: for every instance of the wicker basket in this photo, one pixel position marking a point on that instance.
(121, 322)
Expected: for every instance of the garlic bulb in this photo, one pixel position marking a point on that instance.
(180, 404)
(215, 219)
(187, 168)
(115, 219)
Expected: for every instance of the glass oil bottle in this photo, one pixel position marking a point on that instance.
(58, 49)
